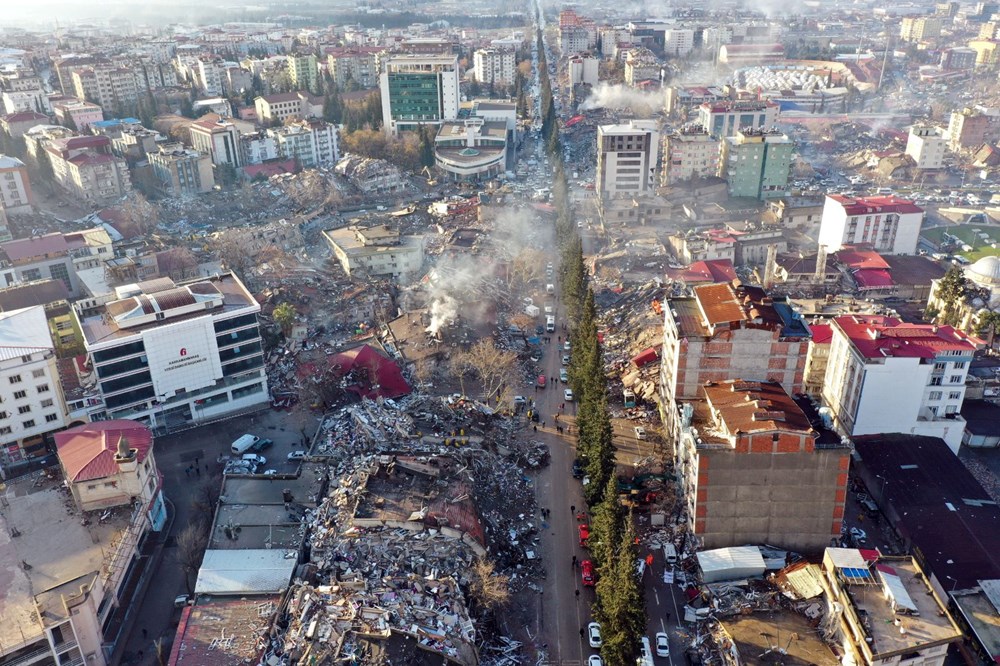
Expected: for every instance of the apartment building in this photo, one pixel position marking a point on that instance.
(753, 469)
(627, 156)
(885, 376)
(210, 74)
(972, 127)
(583, 69)
(678, 42)
(31, 400)
(21, 91)
(170, 354)
(915, 29)
(418, 90)
(85, 167)
(15, 188)
(641, 66)
(77, 113)
(889, 224)
(304, 72)
(724, 118)
(885, 609)
(181, 171)
(724, 331)
(311, 142)
(756, 163)
(278, 108)
(926, 145)
(218, 138)
(495, 66)
(376, 250)
(110, 86)
(359, 64)
(16, 124)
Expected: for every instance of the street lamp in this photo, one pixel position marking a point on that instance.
(954, 583)
(881, 492)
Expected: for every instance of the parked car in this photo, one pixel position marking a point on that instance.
(578, 472)
(858, 535)
(565, 359)
(568, 395)
(662, 645)
(595, 660)
(296, 455)
(587, 576)
(640, 432)
(594, 634)
(563, 375)
(254, 459)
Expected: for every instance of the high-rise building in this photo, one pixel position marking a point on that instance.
(304, 72)
(688, 153)
(419, 90)
(180, 171)
(358, 63)
(926, 145)
(887, 376)
(754, 468)
(495, 66)
(889, 224)
(218, 138)
(756, 163)
(725, 117)
(312, 142)
(626, 158)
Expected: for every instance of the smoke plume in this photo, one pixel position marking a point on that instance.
(621, 98)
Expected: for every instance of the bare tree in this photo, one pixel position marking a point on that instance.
(493, 366)
(204, 502)
(178, 263)
(522, 321)
(235, 248)
(525, 269)
(490, 589)
(138, 214)
(191, 544)
(460, 366)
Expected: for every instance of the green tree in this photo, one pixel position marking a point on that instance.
(607, 520)
(333, 108)
(284, 316)
(621, 609)
(951, 292)
(427, 146)
(988, 324)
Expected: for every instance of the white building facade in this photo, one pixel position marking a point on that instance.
(889, 224)
(418, 90)
(495, 66)
(627, 156)
(884, 376)
(926, 145)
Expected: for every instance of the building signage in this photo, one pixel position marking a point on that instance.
(183, 356)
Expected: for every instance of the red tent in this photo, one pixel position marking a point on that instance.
(389, 382)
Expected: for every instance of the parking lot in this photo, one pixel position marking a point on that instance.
(190, 460)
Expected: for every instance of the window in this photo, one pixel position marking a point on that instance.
(26, 358)
(20, 395)
(5, 430)
(24, 409)
(38, 374)
(49, 418)
(934, 395)
(42, 388)
(959, 365)
(47, 402)
(15, 379)
(935, 381)
(939, 366)
(30, 423)
(954, 395)
(955, 379)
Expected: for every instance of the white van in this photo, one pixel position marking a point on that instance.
(550, 289)
(550, 324)
(646, 656)
(670, 554)
(243, 444)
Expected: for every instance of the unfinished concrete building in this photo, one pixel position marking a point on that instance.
(754, 468)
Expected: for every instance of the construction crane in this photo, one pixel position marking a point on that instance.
(431, 181)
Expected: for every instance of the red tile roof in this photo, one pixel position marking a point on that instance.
(873, 278)
(711, 270)
(749, 406)
(88, 452)
(26, 248)
(719, 303)
(860, 256)
(877, 336)
(875, 205)
(821, 333)
(24, 116)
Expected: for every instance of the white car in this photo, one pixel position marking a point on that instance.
(568, 395)
(296, 455)
(594, 635)
(859, 535)
(595, 660)
(662, 645)
(640, 433)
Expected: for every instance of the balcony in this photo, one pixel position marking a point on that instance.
(65, 645)
(27, 658)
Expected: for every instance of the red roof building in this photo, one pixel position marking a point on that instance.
(373, 375)
(108, 463)
(888, 224)
(708, 271)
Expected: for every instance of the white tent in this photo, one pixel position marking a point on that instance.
(730, 563)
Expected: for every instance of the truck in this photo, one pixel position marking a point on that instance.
(670, 554)
(550, 324)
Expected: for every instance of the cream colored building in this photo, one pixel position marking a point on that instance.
(376, 250)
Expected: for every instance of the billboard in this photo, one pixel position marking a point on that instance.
(183, 356)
